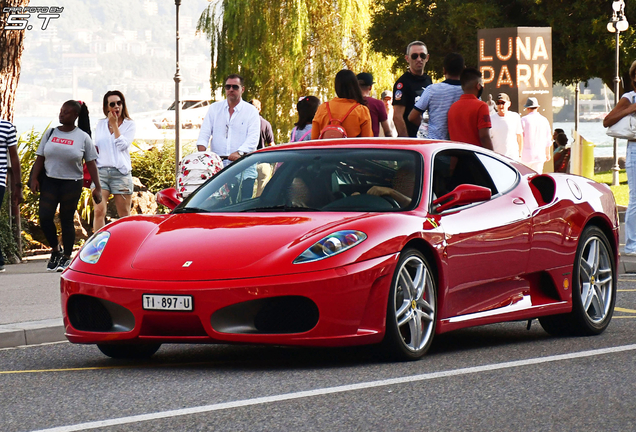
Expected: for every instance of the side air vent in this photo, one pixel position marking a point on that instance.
(543, 189)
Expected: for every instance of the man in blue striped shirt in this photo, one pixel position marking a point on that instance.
(437, 99)
(8, 146)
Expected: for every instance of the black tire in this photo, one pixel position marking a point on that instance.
(593, 289)
(129, 351)
(409, 309)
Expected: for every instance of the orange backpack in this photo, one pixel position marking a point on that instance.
(335, 129)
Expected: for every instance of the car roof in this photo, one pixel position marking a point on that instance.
(422, 145)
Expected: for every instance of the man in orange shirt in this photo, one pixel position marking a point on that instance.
(469, 117)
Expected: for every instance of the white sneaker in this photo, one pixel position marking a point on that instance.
(630, 254)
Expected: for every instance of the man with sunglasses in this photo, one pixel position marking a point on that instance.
(506, 132)
(409, 87)
(233, 124)
(234, 127)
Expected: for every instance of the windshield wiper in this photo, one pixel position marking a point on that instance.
(190, 210)
(284, 208)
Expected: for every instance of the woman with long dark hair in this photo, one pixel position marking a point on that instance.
(306, 108)
(60, 155)
(113, 137)
(348, 109)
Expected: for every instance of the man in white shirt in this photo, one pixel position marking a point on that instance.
(537, 137)
(506, 131)
(234, 126)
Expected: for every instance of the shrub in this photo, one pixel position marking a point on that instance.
(7, 239)
(155, 168)
(27, 146)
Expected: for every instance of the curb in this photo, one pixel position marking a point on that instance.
(31, 333)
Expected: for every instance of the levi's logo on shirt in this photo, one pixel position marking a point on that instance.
(62, 141)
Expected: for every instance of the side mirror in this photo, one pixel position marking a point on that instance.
(462, 195)
(169, 198)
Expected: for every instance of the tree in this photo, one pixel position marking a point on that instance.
(581, 46)
(11, 47)
(289, 49)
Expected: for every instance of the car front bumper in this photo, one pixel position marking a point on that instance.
(342, 306)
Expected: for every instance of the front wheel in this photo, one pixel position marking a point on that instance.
(593, 289)
(129, 351)
(411, 310)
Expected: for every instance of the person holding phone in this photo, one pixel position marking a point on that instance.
(113, 138)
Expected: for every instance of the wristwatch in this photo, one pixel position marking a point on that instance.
(240, 153)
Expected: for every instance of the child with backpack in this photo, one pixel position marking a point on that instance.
(345, 116)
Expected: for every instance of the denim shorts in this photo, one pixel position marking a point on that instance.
(114, 181)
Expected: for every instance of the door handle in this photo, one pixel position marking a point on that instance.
(518, 201)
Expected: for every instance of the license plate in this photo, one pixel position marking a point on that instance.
(167, 302)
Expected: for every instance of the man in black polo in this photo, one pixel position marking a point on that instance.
(409, 87)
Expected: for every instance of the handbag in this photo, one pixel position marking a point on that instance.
(86, 179)
(625, 128)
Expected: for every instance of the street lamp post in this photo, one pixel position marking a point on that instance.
(177, 104)
(617, 24)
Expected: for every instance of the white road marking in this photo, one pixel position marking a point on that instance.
(332, 390)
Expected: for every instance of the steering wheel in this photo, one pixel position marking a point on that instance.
(391, 201)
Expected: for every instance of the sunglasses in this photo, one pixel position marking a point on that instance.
(414, 56)
(500, 102)
(113, 104)
(232, 86)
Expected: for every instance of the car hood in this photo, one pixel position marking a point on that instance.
(228, 246)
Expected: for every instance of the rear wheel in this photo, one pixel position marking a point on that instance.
(411, 310)
(593, 289)
(129, 351)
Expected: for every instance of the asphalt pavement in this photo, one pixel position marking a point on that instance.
(30, 310)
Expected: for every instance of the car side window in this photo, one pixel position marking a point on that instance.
(452, 168)
(504, 176)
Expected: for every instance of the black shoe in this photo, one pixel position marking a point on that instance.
(2, 269)
(64, 262)
(54, 261)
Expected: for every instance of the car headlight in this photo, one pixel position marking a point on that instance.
(94, 247)
(331, 245)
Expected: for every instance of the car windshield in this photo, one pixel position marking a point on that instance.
(337, 180)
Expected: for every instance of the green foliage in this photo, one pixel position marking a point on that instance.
(621, 191)
(289, 49)
(27, 146)
(7, 239)
(155, 168)
(581, 45)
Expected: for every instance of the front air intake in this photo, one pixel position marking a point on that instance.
(274, 315)
(92, 314)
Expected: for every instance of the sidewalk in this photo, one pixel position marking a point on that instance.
(30, 310)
